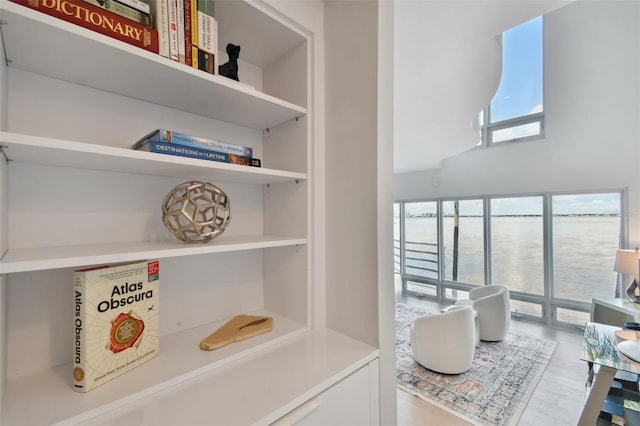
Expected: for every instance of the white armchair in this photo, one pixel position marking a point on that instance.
(444, 342)
(494, 311)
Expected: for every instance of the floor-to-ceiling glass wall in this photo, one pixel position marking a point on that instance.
(554, 251)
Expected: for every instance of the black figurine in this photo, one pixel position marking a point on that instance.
(230, 69)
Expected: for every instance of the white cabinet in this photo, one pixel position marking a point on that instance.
(343, 404)
(74, 194)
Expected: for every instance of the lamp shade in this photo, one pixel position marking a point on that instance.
(627, 262)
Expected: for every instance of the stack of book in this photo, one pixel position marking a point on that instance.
(188, 32)
(173, 143)
(129, 21)
(182, 30)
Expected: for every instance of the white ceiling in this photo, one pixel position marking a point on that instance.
(447, 64)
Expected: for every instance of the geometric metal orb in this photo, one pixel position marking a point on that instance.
(196, 212)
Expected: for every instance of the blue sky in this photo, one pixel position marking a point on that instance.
(520, 90)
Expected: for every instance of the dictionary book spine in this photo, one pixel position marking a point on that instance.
(116, 321)
(97, 19)
(124, 11)
(177, 138)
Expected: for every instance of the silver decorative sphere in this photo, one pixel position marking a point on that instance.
(196, 212)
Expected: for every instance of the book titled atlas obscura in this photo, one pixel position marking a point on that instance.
(116, 321)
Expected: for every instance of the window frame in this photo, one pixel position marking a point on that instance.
(488, 128)
(548, 302)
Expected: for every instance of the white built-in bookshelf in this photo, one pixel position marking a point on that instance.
(74, 195)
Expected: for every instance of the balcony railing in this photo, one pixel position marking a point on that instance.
(420, 258)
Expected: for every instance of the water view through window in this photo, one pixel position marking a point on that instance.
(517, 250)
(586, 235)
(584, 232)
(464, 252)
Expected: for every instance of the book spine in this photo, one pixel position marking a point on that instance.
(203, 143)
(124, 11)
(244, 161)
(207, 37)
(79, 324)
(137, 4)
(99, 20)
(199, 153)
(194, 33)
(173, 29)
(169, 136)
(185, 151)
(180, 28)
(187, 32)
(160, 16)
(214, 35)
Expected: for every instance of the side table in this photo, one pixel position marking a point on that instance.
(614, 311)
(599, 347)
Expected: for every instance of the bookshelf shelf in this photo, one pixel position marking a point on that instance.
(56, 152)
(156, 384)
(44, 258)
(179, 360)
(161, 81)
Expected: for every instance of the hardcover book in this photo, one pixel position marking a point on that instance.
(207, 37)
(116, 321)
(177, 138)
(138, 4)
(173, 29)
(180, 28)
(202, 154)
(160, 15)
(97, 19)
(124, 11)
(187, 32)
(194, 33)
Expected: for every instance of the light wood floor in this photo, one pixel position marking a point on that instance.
(557, 400)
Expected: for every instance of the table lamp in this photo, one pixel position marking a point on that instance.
(628, 263)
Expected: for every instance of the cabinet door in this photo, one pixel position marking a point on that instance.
(349, 402)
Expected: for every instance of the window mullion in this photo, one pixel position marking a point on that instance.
(487, 240)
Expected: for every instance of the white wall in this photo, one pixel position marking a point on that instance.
(351, 143)
(353, 173)
(386, 290)
(592, 98)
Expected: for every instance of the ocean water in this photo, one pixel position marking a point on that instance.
(583, 248)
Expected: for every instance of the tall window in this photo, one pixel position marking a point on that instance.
(516, 111)
(586, 234)
(517, 246)
(463, 241)
(421, 239)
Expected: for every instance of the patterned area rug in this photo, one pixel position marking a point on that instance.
(497, 388)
